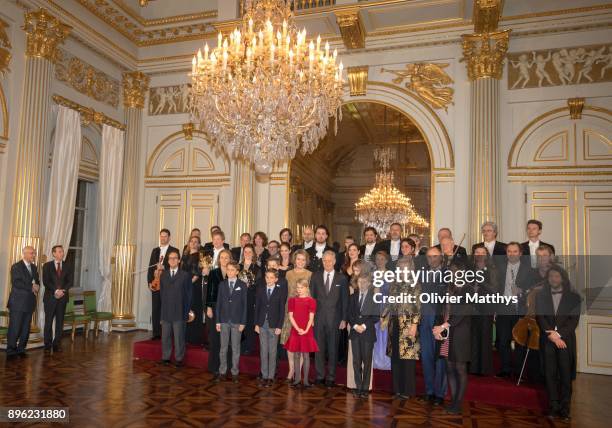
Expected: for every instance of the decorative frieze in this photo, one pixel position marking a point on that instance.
(86, 79)
(169, 99)
(429, 81)
(560, 66)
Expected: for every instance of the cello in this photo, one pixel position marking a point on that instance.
(526, 331)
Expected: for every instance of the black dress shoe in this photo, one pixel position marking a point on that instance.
(57, 349)
(178, 364)
(356, 393)
(503, 374)
(453, 410)
(396, 396)
(216, 378)
(319, 381)
(48, 349)
(235, 379)
(307, 385)
(289, 380)
(11, 357)
(329, 384)
(404, 397)
(23, 355)
(164, 362)
(564, 415)
(155, 337)
(295, 385)
(364, 394)
(438, 401)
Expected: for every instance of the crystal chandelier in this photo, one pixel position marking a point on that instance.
(384, 204)
(265, 91)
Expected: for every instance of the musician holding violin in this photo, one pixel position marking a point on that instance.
(157, 264)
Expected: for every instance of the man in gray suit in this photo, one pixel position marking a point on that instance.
(22, 303)
(330, 289)
(175, 292)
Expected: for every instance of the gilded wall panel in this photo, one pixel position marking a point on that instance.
(556, 67)
(86, 79)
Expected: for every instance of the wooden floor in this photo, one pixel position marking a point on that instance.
(104, 387)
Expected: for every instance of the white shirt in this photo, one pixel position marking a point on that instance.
(163, 250)
(533, 246)
(308, 244)
(368, 250)
(490, 247)
(511, 274)
(319, 249)
(216, 252)
(173, 272)
(29, 266)
(394, 248)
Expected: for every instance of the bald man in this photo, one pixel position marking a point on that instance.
(25, 285)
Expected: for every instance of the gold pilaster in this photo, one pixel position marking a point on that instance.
(351, 28)
(135, 85)
(358, 80)
(44, 34)
(5, 48)
(243, 177)
(484, 53)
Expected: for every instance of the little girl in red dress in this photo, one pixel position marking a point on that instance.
(301, 341)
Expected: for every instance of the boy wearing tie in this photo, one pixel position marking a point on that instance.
(269, 317)
(231, 315)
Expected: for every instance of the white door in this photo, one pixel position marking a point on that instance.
(578, 222)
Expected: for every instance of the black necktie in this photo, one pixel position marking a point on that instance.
(172, 274)
(361, 297)
(231, 284)
(327, 283)
(269, 292)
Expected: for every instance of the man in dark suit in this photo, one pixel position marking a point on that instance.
(218, 244)
(529, 247)
(392, 245)
(208, 247)
(490, 242)
(330, 289)
(25, 285)
(366, 251)
(269, 317)
(558, 313)
(516, 278)
(459, 251)
(57, 279)
(245, 239)
(364, 313)
(319, 247)
(157, 261)
(307, 239)
(176, 291)
(231, 317)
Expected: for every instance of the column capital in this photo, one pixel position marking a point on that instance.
(5, 48)
(135, 86)
(45, 33)
(485, 53)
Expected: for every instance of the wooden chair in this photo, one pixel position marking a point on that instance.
(75, 312)
(91, 310)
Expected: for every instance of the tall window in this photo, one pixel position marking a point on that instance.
(77, 241)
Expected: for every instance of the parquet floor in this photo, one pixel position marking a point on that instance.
(104, 387)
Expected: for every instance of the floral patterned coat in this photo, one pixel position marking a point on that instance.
(407, 314)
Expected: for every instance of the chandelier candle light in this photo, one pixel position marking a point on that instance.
(265, 91)
(384, 204)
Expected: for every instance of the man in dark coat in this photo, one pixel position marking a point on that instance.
(25, 285)
(57, 279)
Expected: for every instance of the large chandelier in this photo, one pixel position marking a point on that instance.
(385, 204)
(265, 91)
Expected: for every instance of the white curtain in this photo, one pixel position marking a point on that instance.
(62, 186)
(109, 200)
(63, 181)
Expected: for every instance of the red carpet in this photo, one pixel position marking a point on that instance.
(489, 390)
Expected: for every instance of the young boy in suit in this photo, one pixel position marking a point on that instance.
(269, 317)
(231, 315)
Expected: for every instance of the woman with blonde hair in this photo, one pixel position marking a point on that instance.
(360, 268)
(299, 272)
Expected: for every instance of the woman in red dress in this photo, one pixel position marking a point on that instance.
(301, 341)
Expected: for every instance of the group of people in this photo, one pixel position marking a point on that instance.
(311, 298)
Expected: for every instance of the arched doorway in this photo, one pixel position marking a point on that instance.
(325, 185)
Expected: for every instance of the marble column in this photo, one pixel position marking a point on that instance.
(135, 86)
(44, 34)
(243, 178)
(484, 54)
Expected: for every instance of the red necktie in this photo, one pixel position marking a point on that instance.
(59, 270)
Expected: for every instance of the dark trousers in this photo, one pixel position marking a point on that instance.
(434, 368)
(558, 374)
(504, 325)
(18, 332)
(176, 330)
(362, 361)
(214, 344)
(156, 313)
(457, 380)
(481, 361)
(54, 310)
(403, 371)
(326, 335)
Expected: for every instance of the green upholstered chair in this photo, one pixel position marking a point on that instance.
(3, 325)
(75, 312)
(91, 310)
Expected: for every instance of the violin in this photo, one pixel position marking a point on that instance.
(157, 275)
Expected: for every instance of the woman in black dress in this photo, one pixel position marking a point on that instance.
(249, 273)
(285, 259)
(194, 333)
(453, 335)
(260, 242)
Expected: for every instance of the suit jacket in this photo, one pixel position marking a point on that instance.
(154, 259)
(383, 246)
(368, 314)
(333, 307)
(564, 321)
(215, 277)
(236, 254)
(525, 247)
(176, 293)
(208, 247)
(525, 280)
(52, 282)
(316, 263)
(272, 309)
(22, 298)
(232, 307)
(498, 250)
